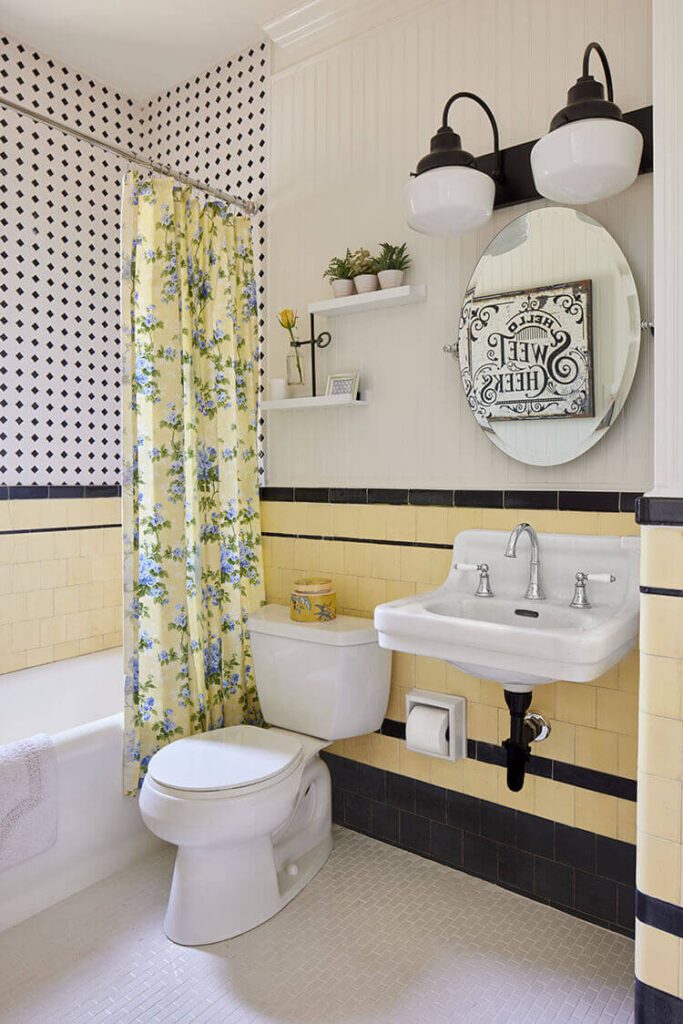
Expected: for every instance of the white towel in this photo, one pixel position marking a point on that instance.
(28, 799)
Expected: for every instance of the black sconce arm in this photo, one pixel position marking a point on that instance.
(605, 66)
(496, 174)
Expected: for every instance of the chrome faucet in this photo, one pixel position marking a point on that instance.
(533, 591)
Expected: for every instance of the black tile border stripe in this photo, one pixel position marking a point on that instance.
(662, 591)
(575, 501)
(582, 873)
(652, 1006)
(558, 771)
(667, 917)
(54, 491)
(61, 529)
(358, 540)
(654, 511)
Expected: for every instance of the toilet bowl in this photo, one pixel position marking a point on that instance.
(250, 809)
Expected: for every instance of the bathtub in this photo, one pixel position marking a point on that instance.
(78, 702)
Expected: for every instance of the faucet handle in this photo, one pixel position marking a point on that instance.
(580, 598)
(484, 588)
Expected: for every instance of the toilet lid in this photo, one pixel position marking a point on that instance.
(232, 758)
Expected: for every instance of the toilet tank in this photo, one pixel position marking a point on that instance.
(325, 679)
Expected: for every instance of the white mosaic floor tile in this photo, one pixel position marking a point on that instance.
(381, 936)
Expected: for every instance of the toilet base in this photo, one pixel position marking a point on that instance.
(221, 891)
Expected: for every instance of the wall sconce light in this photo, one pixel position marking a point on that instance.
(590, 152)
(449, 194)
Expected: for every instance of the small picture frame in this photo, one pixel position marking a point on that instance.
(342, 384)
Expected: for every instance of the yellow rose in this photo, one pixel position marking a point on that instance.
(287, 318)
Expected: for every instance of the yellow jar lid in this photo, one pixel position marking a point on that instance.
(312, 585)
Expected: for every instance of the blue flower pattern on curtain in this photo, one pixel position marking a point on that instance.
(192, 544)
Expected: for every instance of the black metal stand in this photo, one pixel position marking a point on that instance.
(321, 341)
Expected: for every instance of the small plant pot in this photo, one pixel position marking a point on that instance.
(391, 278)
(342, 287)
(366, 283)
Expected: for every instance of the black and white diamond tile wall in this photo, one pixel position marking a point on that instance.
(59, 243)
(59, 213)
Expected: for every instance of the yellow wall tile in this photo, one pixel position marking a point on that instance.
(657, 958)
(626, 821)
(383, 752)
(554, 801)
(525, 800)
(430, 674)
(90, 644)
(617, 711)
(12, 661)
(416, 766)
(370, 521)
(660, 626)
(280, 517)
(41, 546)
(66, 650)
(330, 557)
(79, 570)
(658, 868)
(449, 774)
(661, 686)
(53, 631)
(480, 779)
(403, 669)
(400, 523)
(597, 749)
(397, 589)
(415, 565)
(576, 703)
(627, 756)
(659, 807)
(371, 592)
(385, 562)
(482, 723)
(462, 685)
(660, 748)
(317, 519)
(13, 608)
(39, 656)
(432, 526)
(578, 522)
(358, 559)
(662, 557)
(618, 524)
(460, 519)
(595, 812)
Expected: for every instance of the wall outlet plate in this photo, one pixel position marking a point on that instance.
(457, 720)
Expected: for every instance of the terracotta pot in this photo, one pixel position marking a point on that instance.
(366, 283)
(391, 278)
(342, 287)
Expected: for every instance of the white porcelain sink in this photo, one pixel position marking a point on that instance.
(523, 643)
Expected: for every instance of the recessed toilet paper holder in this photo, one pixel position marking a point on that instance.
(431, 734)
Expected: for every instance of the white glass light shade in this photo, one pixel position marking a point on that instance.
(586, 160)
(449, 200)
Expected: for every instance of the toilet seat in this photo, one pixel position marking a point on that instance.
(224, 762)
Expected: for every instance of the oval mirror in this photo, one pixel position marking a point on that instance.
(549, 336)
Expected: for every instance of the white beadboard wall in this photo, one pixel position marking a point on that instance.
(347, 126)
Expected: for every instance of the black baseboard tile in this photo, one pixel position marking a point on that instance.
(654, 511)
(578, 872)
(430, 497)
(652, 1006)
(312, 494)
(276, 494)
(531, 499)
(478, 499)
(662, 591)
(348, 495)
(388, 496)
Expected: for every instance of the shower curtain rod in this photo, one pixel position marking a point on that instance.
(125, 154)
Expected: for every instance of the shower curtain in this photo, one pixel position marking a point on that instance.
(192, 545)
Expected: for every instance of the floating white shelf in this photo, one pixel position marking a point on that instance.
(319, 402)
(383, 298)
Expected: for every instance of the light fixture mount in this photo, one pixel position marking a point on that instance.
(586, 99)
(445, 149)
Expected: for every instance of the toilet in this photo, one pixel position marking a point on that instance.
(250, 809)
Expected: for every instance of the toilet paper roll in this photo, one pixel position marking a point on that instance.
(427, 730)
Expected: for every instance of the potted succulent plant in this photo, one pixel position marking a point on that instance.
(392, 263)
(340, 274)
(364, 269)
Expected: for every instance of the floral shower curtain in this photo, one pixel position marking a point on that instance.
(192, 555)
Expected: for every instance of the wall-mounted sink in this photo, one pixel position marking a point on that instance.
(522, 642)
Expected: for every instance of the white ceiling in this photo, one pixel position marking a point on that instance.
(142, 47)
